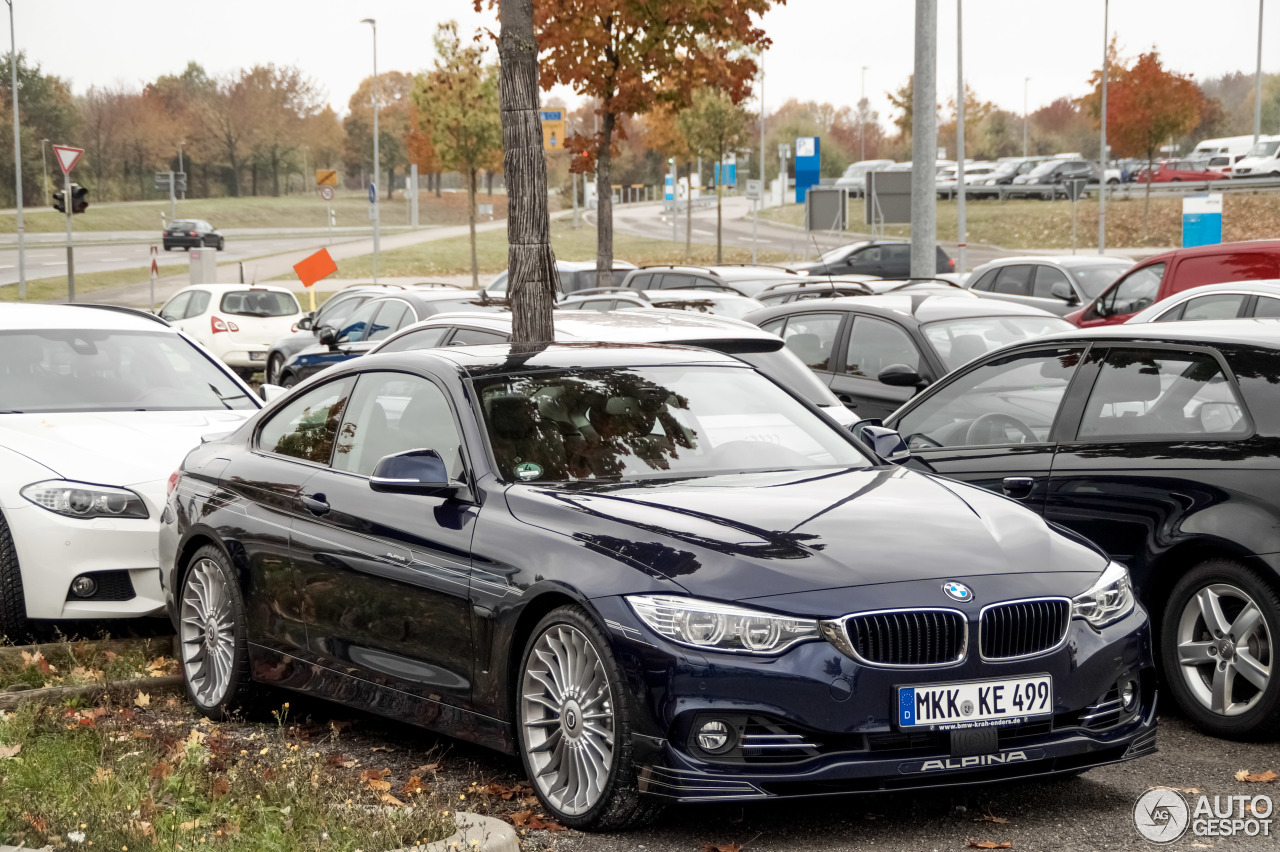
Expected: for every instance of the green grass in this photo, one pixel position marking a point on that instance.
(131, 778)
(55, 288)
(79, 663)
(291, 211)
(453, 256)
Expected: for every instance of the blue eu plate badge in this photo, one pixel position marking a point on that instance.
(906, 706)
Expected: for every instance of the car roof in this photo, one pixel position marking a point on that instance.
(15, 317)
(1218, 248)
(743, 272)
(1067, 261)
(644, 325)
(231, 288)
(427, 298)
(696, 294)
(1256, 331)
(582, 265)
(500, 358)
(922, 307)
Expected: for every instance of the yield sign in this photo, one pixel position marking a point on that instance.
(67, 157)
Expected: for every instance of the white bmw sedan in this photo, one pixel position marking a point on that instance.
(98, 406)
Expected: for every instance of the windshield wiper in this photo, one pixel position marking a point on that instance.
(12, 411)
(223, 399)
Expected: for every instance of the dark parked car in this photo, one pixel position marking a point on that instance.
(191, 233)
(742, 279)
(876, 352)
(574, 275)
(652, 573)
(1160, 443)
(879, 258)
(1058, 285)
(1055, 172)
(375, 321)
(333, 312)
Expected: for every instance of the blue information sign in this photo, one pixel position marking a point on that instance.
(808, 164)
(373, 193)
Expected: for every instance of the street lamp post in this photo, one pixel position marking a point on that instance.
(17, 158)
(373, 195)
(1102, 153)
(44, 166)
(182, 169)
(1025, 83)
(960, 193)
(862, 119)
(1257, 84)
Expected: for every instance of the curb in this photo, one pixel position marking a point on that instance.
(9, 700)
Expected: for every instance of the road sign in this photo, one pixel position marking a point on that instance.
(753, 190)
(784, 150)
(317, 266)
(1075, 188)
(67, 157)
(373, 193)
(326, 177)
(553, 127)
(326, 192)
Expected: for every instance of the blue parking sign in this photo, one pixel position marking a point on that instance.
(373, 193)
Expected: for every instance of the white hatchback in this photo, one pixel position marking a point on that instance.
(237, 322)
(98, 406)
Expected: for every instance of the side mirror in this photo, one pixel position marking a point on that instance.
(1062, 290)
(328, 336)
(411, 472)
(305, 323)
(883, 441)
(900, 376)
(270, 392)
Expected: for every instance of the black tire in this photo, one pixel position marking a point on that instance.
(14, 624)
(274, 364)
(621, 805)
(1262, 720)
(186, 248)
(241, 693)
(222, 243)
(168, 248)
(288, 380)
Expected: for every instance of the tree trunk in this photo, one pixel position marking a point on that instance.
(471, 220)
(391, 176)
(531, 264)
(688, 216)
(275, 175)
(488, 180)
(604, 204)
(438, 176)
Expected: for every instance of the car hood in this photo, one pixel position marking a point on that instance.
(113, 448)
(737, 537)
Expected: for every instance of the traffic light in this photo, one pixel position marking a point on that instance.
(58, 203)
(79, 198)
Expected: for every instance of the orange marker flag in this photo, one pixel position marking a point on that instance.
(312, 269)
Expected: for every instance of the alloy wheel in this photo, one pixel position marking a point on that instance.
(566, 710)
(207, 632)
(1224, 649)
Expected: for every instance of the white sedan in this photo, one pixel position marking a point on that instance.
(237, 322)
(98, 407)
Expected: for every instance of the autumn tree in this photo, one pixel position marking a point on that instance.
(633, 54)
(713, 125)
(46, 110)
(395, 90)
(460, 97)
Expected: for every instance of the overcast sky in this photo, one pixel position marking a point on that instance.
(819, 46)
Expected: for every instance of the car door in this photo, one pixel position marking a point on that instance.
(385, 576)
(1210, 307)
(265, 486)
(864, 261)
(872, 344)
(1133, 292)
(176, 308)
(1012, 283)
(993, 425)
(812, 338)
(351, 342)
(1143, 446)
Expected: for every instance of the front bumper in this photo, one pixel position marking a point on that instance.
(835, 719)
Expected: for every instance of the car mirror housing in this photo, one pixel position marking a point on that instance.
(328, 336)
(270, 392)
(900, 376)
(1062, 290)
(883, 441)
(306, 322)
(411, 472)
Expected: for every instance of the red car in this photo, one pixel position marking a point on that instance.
(1172, 171)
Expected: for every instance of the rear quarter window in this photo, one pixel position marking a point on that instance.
(1257, 372)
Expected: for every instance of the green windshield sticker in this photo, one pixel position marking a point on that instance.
(528, 470)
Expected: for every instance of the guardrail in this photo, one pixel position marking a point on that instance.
(1123, 190)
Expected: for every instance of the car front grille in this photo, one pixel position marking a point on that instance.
(1023, 628)
(916, 637)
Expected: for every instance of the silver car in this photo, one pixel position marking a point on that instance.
(1055, 284)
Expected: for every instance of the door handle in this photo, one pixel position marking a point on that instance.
(1017, 487)
(316, 504)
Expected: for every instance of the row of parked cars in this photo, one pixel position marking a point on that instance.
(678, 556)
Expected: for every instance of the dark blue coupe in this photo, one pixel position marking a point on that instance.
(652, 573)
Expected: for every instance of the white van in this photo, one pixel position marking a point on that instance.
(1232, 148)
(1262, 161)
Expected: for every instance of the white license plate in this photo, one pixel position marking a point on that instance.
(257, 356)
(975, 704)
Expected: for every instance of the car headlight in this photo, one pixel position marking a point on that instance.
(82, 500)
(715, 626)
(1108, 600)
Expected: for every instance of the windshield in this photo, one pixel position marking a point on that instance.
(648, 422)
(786, 369)
(69, 370)
(960, 341)
(1045, 167)
(1006, 168)
(1095, 279)
(839, 253)
(258, 303)
(1264, 149)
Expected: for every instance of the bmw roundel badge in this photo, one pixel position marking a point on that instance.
(958, 591)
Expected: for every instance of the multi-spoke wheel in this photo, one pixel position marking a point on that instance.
(211, 634)
(1219, 634)
(574, 725)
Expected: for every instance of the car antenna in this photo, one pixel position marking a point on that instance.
(818, 249)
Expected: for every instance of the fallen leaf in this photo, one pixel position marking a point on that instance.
(37, 660)
(161, 770)
(221, 786)
(989, 844)
(413, 785)
(527, 819)
(7, 752)
(33, 820)
(388, 799)
(102, 773)
(189, 826)
(991, 818)
(425, 768)
(507, 793)
(142, 699)
(382, 748)
(111, 656)
(374, 774)
(721, 847)
(1267, 777)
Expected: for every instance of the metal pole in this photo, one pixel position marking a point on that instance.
(755, 204)
(182, 168)
(862, 124)
(17, 161)
(173, 197)
(328, 210)
(44, 166)
(377, 223)
(1102, 154)
(1073, 224)
(960, 221)
(1257, 84)
(924, 144)
(304, 170)
(71, 260)
(1025, 83)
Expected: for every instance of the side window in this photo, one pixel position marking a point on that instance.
(775, 326)
(389, 320)
(876, 344)
(335, 311)
(1135, 292)
(499, 284)
(677, 282)
(176, 309)
(596, 305)
(1046, 277)
(358, 324)
(641, 282)
(475, 337)
(1222, 306)
(306, 428)
(1011, 400)
(426, 338)
(199, 303)
(1014, 280)
(811, 337)
(986, 282)
(1267, 307)
(1161, 394)
(392, 413)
